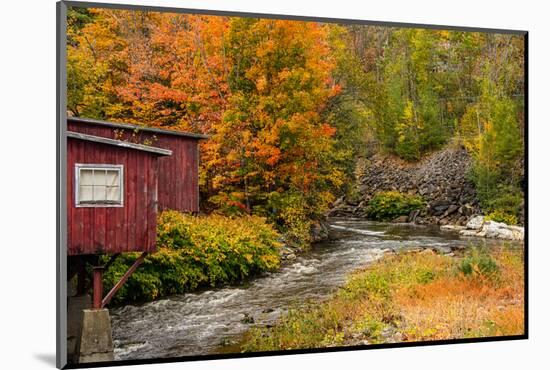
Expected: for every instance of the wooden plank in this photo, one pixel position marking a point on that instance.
(190, 191)
(87, 213)
(146, 203)
(105, 301)
(119, 223)
(162, 190)
(177, 176)
(185, 175)
(166, 180)
(152, 203)
(100, 213)
(141, 204)
(72, 227)
(112, 156)
(191, 176)
(196, 178)
(131, 218)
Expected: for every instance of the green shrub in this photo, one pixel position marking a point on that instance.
(479, 263)
(502, 216)
(505, 203)
(197, 251)
(391, 204)
(293, 216)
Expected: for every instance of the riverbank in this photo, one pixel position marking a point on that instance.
(409, 297)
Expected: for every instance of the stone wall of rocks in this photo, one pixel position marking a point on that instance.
(441, 180)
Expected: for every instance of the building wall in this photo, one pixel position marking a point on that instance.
(106, 230)
(178, 183)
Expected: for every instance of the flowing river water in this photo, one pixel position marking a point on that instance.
(201, 323)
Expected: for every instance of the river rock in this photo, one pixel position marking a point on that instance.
(456, 228)
(288, 256)
(475, 223)
(479, 227)
(442, 249)
(439, 207)
(502, 231)
(319, 231)
(452, 209)
(413, 215)
(401, 219)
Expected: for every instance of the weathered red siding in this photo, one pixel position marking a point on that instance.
(110, 230)
(178, 186)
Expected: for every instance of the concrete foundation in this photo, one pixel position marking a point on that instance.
(75, 305)
(96, 341)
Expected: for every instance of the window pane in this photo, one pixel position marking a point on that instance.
(113, 193)
(112, 177)
(99, 193)
(100, 185)
(99, 177)
(86, 177)
(85, 193)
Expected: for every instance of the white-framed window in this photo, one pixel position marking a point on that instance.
(99, 185)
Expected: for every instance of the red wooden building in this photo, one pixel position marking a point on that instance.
(178, 180)
(111, 195)
(118, 177)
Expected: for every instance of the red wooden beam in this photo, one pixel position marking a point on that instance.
(98, 287)
(122, 280)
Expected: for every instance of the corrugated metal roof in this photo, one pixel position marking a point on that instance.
(131, 126)
(119, 143)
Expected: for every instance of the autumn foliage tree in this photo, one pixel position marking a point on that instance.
(274, 147)
(258, 87)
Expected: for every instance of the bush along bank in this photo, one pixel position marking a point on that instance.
(391, 205)
(196, 252)
(410, 297)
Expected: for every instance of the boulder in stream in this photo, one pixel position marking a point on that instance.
(479, 227)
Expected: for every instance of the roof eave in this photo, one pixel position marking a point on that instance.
(131, 126)
(118, 143)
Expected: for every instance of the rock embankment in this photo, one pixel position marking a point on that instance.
(440, 179)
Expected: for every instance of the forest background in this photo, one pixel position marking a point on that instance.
(291, 106)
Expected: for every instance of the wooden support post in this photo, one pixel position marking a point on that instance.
(122, 280)
(98, 287)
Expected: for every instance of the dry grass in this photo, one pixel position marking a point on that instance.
(410, 297)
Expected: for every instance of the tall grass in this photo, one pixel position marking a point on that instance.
(419, 296)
